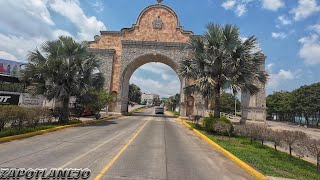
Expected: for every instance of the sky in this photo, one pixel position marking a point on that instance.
(288, 32)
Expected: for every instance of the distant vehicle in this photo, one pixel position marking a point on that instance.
(159, 110)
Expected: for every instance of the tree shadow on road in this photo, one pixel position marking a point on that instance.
(104, 123)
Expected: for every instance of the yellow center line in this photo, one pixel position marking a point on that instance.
(106, 168)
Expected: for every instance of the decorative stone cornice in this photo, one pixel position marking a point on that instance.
(154, 43)
(119, 33)
(102, 51)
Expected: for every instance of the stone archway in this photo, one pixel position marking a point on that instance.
(156, 36)
(135, 64)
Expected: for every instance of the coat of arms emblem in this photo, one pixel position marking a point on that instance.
(157, 23)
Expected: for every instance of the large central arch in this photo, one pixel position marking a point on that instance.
(157, 36)
(138, 62)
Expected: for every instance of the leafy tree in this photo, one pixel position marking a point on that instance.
(302, 102)
(227, 102)
(173, 102)
(62, 68)
(280, 104)
(12, 87)
(222, 60)
(95, 99)
(307, 101)
(134, 93)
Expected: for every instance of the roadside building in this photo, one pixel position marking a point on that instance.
(149, 98)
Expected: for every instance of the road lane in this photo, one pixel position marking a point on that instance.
(77, 147)
(163, 149)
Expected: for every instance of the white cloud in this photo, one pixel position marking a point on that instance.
(165, 72)
(25, 18)
(26, 24)
(283, 20)
(315, 28)
(165, 89)
(276, 79)
(98, 6)
(272, 5)
(238, 6)
(164, 80)
(269, 67)
(87, 26)
(229, 4)
(241, 9)
(310, 50)
(278, 35)
(6, 55)
(19, 45)
(305, 9)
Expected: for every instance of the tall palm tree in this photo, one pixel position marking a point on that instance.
(222, 60)
(62, 68)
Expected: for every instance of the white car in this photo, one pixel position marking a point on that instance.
(159, 110)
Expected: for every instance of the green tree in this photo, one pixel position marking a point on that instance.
(12, 87)
(222, 60)
(134, 93)
(62, 68)
(227, 103)
(280, 104)
(302, 102)
(95, 100)
(307, 102)
(172, 102)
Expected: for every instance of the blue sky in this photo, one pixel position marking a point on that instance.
(288, 32)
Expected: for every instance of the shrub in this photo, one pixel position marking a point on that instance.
(222, 128)
(247, 130)
(292, 139)
(276, 138)
(4, 116)
(20, 117)
(210, 122)
(313, 147)
(262, 133)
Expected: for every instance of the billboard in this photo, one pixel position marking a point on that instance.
(10, 68)
(9, 99)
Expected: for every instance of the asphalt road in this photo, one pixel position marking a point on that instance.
(144, 146)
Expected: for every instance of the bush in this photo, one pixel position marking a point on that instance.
(222, 128)
(292, 140)
(247, 130)
(276, 138)
(5, 112)
(209, 123)
(20, 117)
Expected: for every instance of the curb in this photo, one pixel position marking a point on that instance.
(26, 135)
(256, 174)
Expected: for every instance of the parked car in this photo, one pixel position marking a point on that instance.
(159, 110)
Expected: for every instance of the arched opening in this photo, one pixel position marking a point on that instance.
(143, 60)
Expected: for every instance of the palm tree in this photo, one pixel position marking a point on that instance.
(60, 69)
(222, 60)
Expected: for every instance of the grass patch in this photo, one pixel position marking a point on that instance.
(175, 114)
(12, 132)
(138, 110)
(264, 158)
